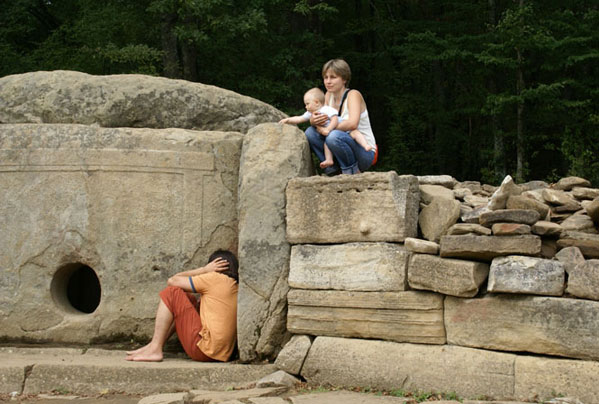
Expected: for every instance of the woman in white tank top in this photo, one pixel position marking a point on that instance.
(350, 156)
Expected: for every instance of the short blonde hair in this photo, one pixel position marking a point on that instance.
(339, 67)
(315, 93)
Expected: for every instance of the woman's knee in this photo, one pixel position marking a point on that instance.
(335, 137)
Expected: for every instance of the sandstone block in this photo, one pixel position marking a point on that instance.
(546, 377)
(473, 216)
(127, 100)
(396, 316)
(461, 193)
(468, 228)
(593, 210)
(444, 180)
(351, 266)
(581, 223)
(544, 325)
(436, 218)
(507, 188)
(583, 280)
(421, 246)
(510, 229)
(523, 202)
(271, 155)
(549, 229)
(528, 275)
(570, 257)
(446, 276)
(277, 379)
(476, 201)
(567, 183)
(532, 185)
(557, 197)
(585, 193)
(430, 192)
(588, 243)
(486, 248)
(292, 356)
(388, 365)
(366, 207)
(128, 206)
(524, 216)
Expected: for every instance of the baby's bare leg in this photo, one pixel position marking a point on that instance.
(360, 139)
(328, 158)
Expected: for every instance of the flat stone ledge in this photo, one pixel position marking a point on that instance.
(485, 248)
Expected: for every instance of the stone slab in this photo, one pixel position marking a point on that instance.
(445, 180)
(583, 280)
(524, 216)
(127, 100)
(436, 218)
(351, 266)
(417, 245)
(586, 242)
(346, 397)
(428, 192)
(526, 275)
(134, 205)
(544, 325)
(411, 367)
(346, 208)
(523, 202)
(447, 276)
(549, 377)
(396, 316)
(292, 356)
(486, 248)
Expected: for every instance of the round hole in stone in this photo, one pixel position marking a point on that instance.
(76, 288)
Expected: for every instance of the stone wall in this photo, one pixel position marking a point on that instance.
(451, 287)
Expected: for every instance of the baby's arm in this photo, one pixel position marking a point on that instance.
(332, 125)
(294, 120)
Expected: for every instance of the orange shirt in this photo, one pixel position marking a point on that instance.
(218, 312)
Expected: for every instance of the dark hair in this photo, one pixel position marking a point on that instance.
(233, 270)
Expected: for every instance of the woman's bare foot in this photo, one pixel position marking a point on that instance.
(138, 350)
(145, 357)
(326, 163)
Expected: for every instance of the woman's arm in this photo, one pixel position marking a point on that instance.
(181, 279)
(354, 106)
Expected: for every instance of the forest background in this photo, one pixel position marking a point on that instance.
(473, 89)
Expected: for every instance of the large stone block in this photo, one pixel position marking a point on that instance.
(292, 356)
(396, 316)
(447, 276)
(547, 377)
(366, 207)
(583, 280)
(351, 266)
(95, 220)
(389, 365)
(527, 275)
(544, 325)
(127, 100)
(587, 243)
(272, 154)
(436, 218)
(486, 248)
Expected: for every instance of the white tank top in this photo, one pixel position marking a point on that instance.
(363, 124)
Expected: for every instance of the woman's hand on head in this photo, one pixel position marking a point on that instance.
(318, 119)
(217, 265)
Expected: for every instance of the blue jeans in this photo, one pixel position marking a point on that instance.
(350, 156)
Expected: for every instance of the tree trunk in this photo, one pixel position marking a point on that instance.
(520, 123)
(499, 167)
(170, 59)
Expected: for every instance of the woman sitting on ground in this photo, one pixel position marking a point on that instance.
(206, 327)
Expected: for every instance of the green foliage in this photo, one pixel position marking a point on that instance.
(476, 90)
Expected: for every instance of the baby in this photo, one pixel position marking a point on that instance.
(314, 101)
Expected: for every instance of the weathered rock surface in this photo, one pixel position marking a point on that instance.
(545, 325)
(272, 154)
(523, 216)
(396, 316)
(127, 100)
(468, 228)
(445, 180)
(593, 210)
(447, 276)
(510, 229)
(527, 203)
(436, 218)
(421, 246)
(583, 280)
(430, 192)
(366, 207)
(473, 215)
(486, 248)
(388, 365)
(567, 183)
(527, 275)
(557, 197)
(588, 243)
(292, 356)
(581, 223)
(545, 228)
(279, 378)
(351, 266)
(500, 197)
(570, 257)
(585, 193)
(133, 205)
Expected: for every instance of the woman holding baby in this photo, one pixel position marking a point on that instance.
(353, 116)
